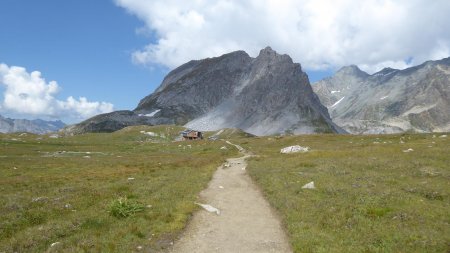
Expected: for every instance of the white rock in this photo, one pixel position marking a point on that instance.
(150, 134)
(55, 244)
(408, 150)
(224, 148)
(294, 149)
(309, 185)
(131, 178)
(86, 156)
(209, 208)
(221, 187)
(443, 136)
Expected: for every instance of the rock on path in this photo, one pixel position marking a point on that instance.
(246, 222)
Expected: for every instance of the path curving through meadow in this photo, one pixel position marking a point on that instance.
(246, 222)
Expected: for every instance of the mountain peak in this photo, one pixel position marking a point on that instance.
(265, 95)
(385, 71)
(351, 70)
(268, 54)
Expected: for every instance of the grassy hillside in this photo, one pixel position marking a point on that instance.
(67, 189)
(370, 195)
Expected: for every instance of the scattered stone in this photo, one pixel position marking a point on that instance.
(294, 149)
(131, 178)
(68, 206)
(434, 136)
(309, 185)
(209, 208)
(14, 168)
(243, 168)
(443, 136)
(149, 206)
(408, 150)
(54, 136)
(224, 148)
(39, 199)
(86, 156)
(139, 247)
(220, 187)
(152, 134)
(54, 244)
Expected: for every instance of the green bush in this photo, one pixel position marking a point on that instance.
(123, 207)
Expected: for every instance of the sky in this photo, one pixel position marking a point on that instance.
(74, 59)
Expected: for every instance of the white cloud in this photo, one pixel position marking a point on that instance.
(320, 34)
(30, 95)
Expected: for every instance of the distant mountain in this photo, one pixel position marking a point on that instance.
(36, 126)
(391, 100)
(265, 95)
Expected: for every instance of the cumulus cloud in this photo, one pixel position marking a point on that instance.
(29, 94)
(320, 34)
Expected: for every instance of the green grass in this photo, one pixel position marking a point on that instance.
(115, 192)
(370, 196)
(54, 191)
(124, 207)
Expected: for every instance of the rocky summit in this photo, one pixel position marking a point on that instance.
(269, 94)
(389, 101)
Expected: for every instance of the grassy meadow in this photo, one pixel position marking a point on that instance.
(67, 191)
(131, 191)
(385, 193)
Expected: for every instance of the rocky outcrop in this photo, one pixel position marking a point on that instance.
(265, 95)
(389, 101)
(36, 126)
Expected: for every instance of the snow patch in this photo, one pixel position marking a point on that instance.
(383, 98)
(335, 91)
(335, 104)
(150, 114)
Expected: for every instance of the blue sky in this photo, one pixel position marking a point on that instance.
(84, 45)
(115, 52)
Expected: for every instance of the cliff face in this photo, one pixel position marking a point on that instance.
(391, 100)
(265, 95)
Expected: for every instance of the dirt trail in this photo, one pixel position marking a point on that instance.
(246, 222)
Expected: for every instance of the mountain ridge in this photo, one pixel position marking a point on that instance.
(36, 126)
(269, 94)
(390, 100)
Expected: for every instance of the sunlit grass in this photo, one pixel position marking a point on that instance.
(61, 190)
(370, 196)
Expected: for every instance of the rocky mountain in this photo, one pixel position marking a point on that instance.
(36, 126)
(269, 94)
(391, 100)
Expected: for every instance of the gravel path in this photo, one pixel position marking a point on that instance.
(246, 222)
